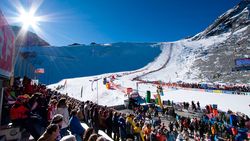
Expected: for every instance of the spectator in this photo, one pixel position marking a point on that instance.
(51, 133)
(58, 119)
(68, 138)
(147, 130)
(88, 133)
(115, 126)
(122, 127)
(80, 112)
(101, 138)
(109, 123)
(63, 110)
(51, 109)
(75, 126)
(93, 137)
(137, 131)
(20, 115)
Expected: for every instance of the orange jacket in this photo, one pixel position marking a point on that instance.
(213, 130)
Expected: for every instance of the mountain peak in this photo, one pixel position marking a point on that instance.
(232, 20)
(30, 39)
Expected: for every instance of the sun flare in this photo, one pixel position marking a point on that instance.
(26, 16)
(28, 19)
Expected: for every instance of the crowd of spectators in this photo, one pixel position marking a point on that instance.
(210, 86)
(237, 88)
(49, 115)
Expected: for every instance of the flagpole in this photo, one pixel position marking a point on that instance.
(97, 90)
(81, 91)
(137, 87)
(92, 81)
(66, 88)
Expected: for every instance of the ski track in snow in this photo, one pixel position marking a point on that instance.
(164, 67)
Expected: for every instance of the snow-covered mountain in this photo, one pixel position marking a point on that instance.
(232, 20)
(206, 60)
(209, 56)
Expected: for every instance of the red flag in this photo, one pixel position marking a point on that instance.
(39, 70)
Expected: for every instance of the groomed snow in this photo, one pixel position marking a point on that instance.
(96, 90)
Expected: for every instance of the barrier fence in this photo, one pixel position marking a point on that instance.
(125, 89)
(215, 91)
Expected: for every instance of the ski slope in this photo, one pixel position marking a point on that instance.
(174, 53)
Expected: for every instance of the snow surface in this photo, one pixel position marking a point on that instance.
(183, 54)
(175, 54)
(98, 91)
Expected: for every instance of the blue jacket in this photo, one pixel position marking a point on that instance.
(232, 119)
(75, 126)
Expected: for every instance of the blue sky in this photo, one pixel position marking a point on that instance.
(109, 21)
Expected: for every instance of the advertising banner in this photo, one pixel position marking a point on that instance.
(217, 91)
(242, 62)
(7, 45)
(227, 92)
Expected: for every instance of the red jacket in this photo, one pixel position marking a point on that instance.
(234, 131)
(28, 89)
(161, 137)
(19, 111)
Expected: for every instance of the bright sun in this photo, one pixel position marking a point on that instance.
(28, 19)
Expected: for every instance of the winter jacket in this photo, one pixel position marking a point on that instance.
(122, 126)
(65, 113)
(19, 111)
(51, 112)
(179, 137)
(75, 126)
(161, 137)
(115, 123)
